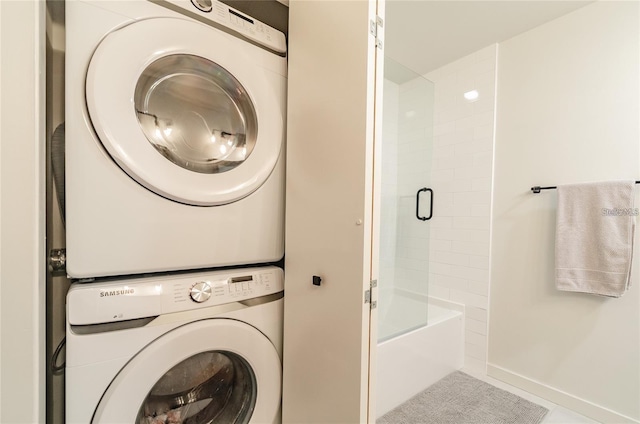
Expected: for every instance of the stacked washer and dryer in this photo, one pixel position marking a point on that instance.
(174, 210)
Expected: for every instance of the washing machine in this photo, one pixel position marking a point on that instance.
(187, 348)
(175, 117)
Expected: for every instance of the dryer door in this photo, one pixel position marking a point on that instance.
(187, 111)
(215, 370)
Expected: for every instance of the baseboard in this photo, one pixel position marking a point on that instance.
(581, 406)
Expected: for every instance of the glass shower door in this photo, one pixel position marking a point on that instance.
(406, 200)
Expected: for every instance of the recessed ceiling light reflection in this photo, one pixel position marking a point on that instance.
(471, 96)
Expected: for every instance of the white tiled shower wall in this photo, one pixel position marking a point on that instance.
(461, 176)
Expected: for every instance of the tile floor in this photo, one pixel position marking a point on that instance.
(557, 414)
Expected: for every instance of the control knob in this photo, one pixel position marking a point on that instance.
(200, 291)
(204, 5)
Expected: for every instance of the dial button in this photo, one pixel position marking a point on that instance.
(204, 5)
(200, 291)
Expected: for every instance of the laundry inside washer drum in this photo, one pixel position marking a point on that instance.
(215, 386)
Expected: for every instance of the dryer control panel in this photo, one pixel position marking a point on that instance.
(221, 15)
(121, 300)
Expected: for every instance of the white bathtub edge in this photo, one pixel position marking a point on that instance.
(444, 303)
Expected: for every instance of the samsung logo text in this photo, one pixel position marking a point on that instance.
(119, 292)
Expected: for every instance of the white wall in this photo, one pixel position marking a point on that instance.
(461, 180)
(568, 111)
(22, 209)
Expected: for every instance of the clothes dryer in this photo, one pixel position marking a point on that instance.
(174, 137)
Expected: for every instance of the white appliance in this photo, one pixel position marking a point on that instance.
(172, 349)
(174, 137)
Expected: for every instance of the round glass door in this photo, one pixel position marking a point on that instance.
(208, 371)
(187, 111)
(196, 114)
(213, 386)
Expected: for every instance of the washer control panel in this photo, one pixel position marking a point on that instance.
(96, 303)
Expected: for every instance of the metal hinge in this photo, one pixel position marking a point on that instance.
(374, 29)
(367, 294)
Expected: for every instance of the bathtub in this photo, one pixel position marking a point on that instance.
(409, 363)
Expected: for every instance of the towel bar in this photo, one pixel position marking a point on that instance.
(536, 189)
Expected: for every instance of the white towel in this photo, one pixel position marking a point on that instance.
(594, 237)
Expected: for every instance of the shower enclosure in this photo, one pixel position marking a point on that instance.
(420, 338)
(406, 200)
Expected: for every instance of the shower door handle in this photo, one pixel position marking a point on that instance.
(424, 218)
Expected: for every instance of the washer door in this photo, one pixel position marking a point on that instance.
(185, 111)
(216, 370)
